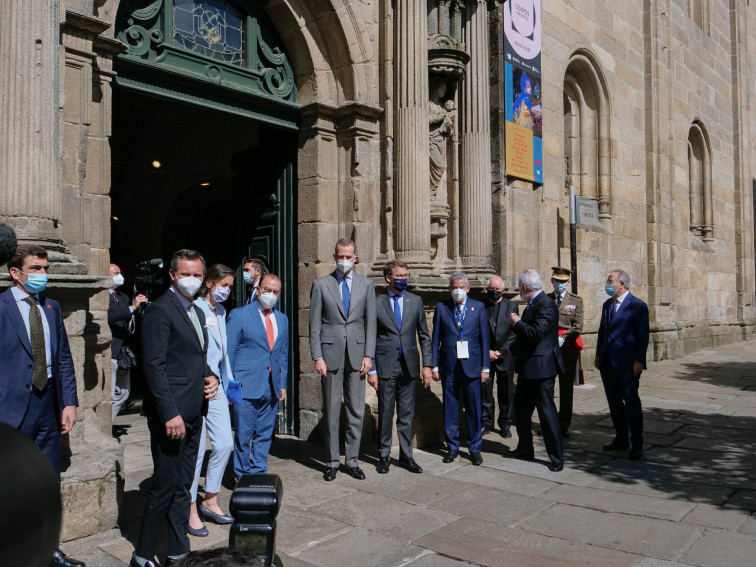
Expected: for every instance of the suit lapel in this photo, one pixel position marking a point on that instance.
(49, 313)
(333, 287)
(451, 308)
(185, 316)
(15, 316)
(386, 301)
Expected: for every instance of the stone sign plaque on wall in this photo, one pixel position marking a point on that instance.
(587, 212)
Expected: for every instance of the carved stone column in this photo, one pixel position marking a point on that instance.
(412, 200)
(29, 200)
(475, 155)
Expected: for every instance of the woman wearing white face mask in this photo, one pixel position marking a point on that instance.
(216, 288)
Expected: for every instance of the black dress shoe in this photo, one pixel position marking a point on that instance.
(539, 432)
(59, 559)
(475, 458)
(383, 465)
(356, 473)
(521, 454)
(217, 518)
(133, 563)
(170, 562)
(636, 452)
(506, 433)
(485, 430)
(450, 456)
(616, 444)
(410, 465)
(330, 474)
(565, 433)
(556, 467)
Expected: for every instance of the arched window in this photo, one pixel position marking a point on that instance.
(586, 131)
(698, 11)
(699, 182)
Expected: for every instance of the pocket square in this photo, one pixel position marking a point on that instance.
(234, 392)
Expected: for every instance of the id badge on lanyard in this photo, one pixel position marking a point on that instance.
(463, 351)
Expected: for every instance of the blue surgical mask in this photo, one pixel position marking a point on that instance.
(36, 282)
(609, 288)
(559, 287)
(220, 294)
(400, 285)
(248, 278)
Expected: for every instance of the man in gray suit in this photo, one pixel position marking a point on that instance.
(401, 322)
(342, 344)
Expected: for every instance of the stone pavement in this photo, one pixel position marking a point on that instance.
(688, 502)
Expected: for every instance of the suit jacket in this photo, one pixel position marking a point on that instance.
(16, 360)
(446, 335)
(331, 333)
(217, 346)
(389, 336)
(175, 363)
(570, 318)
(119, 316)
(625, 339)
(537, 345)
(501, 337)
(253, 363)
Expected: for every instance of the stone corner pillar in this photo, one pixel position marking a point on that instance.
(412, 237)
(476, 216)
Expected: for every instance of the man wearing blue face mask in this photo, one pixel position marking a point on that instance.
(252, 270)
(621, 358)
(570, 307)
(400, 324)
(37, 378)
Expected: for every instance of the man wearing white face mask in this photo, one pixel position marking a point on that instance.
(258, 349)
(460, 360)
(121, 323)
(179, 385)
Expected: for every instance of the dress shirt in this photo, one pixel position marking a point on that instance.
(24, 308)
(392, 297)
(619, 301)
(272, 318)
(341, 277)
(185, 303)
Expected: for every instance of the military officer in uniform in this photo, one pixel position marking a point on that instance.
(570, 307)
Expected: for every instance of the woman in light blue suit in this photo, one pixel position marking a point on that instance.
(219, 281)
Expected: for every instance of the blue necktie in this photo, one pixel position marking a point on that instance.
(345, 296)
(398, 317)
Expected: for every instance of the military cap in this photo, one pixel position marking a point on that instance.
(560, 274)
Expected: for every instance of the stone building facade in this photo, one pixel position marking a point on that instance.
(394, 116)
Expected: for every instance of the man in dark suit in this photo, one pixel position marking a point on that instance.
(621, 358)
(342, 345)
(252, 270)
(460, 361)
(538, 361)
(570, 308)
(37, 378)
(179, 383)
(121, 323)
(501, 367)
(258, 350)
(400, 324)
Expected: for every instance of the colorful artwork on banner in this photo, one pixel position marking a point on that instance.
(522, 89)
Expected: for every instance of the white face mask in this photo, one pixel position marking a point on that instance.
(118, 280)
(344, 266)
(188, 286)
(267, 300)
(458, 295)
(220, 294)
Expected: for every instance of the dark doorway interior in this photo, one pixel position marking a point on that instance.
(190, 177)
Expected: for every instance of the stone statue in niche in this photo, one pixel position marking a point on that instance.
(441, 116)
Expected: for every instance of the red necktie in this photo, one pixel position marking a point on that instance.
(269, 329)
(115, 297)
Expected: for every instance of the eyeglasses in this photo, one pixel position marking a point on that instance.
(277, 293)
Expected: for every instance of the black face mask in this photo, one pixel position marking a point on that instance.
(494, 294)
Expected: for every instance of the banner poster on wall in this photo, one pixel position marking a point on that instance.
(522, 89)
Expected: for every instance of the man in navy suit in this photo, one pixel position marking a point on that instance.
(258, 349)
(621, 358)
(538, 361)
(460, 360)
(37, 381)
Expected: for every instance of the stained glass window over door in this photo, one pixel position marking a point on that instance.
(212, 28)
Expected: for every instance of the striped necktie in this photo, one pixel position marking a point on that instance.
(37, 340)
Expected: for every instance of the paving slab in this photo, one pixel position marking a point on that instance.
(724, 517)
(501, 480)
(647, 536)
(431, 559)
(298, 529)
(363, 548)
(418, 489)
(305, 491)
(613, 501)
(494, 545)
(400, 520)
(718, 548)
(495, 506)
(539, 468)
(651, 562)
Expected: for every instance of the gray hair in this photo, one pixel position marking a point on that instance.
(456, 276)
(345, 243)
(623, 277)
(530, 279)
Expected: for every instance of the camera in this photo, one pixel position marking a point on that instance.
(149, 278)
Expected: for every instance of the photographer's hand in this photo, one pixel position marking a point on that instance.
(138, 300)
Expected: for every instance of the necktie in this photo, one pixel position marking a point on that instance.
(197, 326)
(398, 318)
(559, 301)
(345, 296)
(269, 329)
(613, 310)
(115, 297)
(37, 340)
